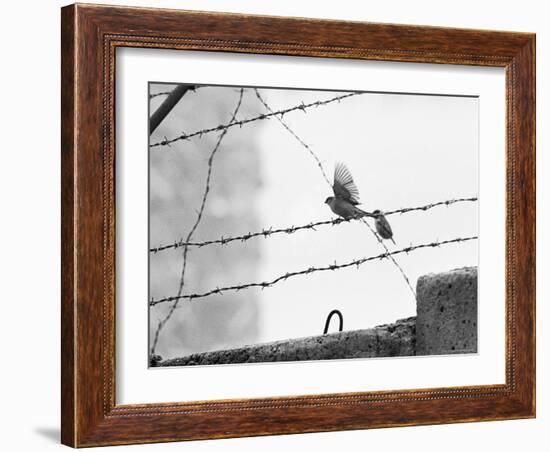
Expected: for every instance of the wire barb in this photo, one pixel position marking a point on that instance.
(330, 267)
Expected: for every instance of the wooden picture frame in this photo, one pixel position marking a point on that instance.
(90, 36)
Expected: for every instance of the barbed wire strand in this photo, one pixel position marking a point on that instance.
(310, 270)
(425, 207)
(330, 185)
(163, 321)
(302, 107)
(285, 125)
(292, 229)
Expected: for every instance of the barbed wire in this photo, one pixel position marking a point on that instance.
(163, 321)
(286, 126)
(302, 107)
(335, 266)
(243, 238)
(292, 229)
(430, 206)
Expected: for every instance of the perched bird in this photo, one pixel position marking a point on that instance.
(382, 226)
(346, 195)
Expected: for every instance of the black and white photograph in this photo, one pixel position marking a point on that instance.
(289, 224)
(249, 226)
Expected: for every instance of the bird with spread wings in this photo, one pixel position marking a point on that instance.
(346, 195)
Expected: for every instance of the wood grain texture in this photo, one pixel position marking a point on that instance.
(90, 36)
(67, 227)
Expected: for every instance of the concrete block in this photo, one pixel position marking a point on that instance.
(447, 312)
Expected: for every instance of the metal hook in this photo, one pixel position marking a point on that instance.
(340, 316)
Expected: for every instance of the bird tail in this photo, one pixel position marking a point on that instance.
(393, 241)
(361, 213)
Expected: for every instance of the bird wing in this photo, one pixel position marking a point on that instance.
(344, 187)
(386, 226)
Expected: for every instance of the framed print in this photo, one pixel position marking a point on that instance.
(282, 225)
